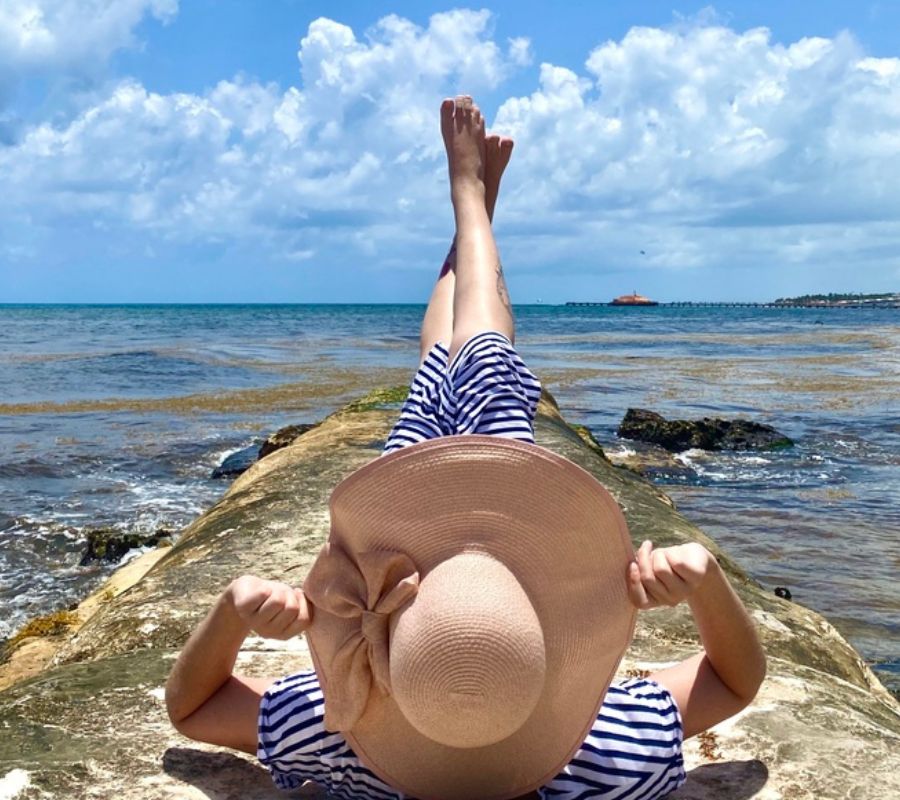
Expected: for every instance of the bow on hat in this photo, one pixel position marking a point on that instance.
(366, 591)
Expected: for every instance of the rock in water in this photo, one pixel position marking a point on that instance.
(109, 544)
(282, 438)
(654, 462)
(709, 433)
(237, 462)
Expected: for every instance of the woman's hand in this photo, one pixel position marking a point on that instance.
(271, 609)
(667, 576)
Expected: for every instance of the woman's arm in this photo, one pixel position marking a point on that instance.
(204, 699)
(720, 681)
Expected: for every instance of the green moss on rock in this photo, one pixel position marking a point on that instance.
(382, 398)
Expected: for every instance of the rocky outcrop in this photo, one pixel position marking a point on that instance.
(709, 433)
(653, 462)
(93, 725)
(241, 460)
(282, 438)
(237, 462)
(111, 544)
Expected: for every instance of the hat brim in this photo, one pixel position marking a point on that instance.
(558, 530)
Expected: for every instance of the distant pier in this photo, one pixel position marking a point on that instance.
(685, 304)
(726, 304)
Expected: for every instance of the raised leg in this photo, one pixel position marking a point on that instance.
(480, 300)
(437, 325)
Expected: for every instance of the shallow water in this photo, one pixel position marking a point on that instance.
(115, 416)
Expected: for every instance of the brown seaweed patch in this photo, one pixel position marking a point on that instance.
(321, 387)
(829, 494)
(709, 746)
(882, 338)
(48, 625)
(567, 377)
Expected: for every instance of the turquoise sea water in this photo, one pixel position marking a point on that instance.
(116, 415)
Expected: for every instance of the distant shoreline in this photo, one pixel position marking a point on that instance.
(814, 301)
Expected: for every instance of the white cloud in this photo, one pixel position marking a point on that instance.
(520, 50)
(67, 44)
(64, 34)
(699, 144)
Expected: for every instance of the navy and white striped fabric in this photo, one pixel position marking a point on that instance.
(633, 751)
(487, 389)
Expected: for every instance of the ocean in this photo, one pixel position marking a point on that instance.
(115, 416)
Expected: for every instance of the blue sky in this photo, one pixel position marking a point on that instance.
(157, 151)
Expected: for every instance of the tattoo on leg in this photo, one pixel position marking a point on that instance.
(501, 289)
(449, 261)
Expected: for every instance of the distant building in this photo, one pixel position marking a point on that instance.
(633, 299)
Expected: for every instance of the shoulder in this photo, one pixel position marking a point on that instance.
(296, 747)
(633, 746)
(636, 698)
(291, 727)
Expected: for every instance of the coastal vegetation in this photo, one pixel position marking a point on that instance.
(841, 299)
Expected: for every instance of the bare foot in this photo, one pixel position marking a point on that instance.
(463, 130)
(497, 152)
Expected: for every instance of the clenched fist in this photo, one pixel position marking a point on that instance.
(271, 609)
(667, 576)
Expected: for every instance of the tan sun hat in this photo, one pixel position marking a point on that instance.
(470, 609)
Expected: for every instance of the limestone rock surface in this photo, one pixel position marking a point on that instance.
(93, 724)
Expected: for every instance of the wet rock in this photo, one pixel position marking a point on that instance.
(237, 462)
(110, 544)
(652, 461)
(709, 433)
(283, 437)
(783, 592)
(94, 724)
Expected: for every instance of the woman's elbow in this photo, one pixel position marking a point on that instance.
(175, 705)
(753, 679)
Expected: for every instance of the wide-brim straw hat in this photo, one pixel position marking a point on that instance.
(470, 609)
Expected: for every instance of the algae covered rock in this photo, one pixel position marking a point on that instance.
(94, 726)
(282, 438)
(111, 544)
(709, 433)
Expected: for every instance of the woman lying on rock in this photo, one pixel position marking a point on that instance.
(476, 593)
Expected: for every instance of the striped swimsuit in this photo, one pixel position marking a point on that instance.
(633, 750)
(487, 389)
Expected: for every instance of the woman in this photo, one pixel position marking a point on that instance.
(471, 384)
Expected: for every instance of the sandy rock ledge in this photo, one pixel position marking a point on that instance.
(92, 724)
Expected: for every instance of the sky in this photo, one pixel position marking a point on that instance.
(289, 151)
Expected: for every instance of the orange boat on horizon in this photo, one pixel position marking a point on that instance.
(633, 299)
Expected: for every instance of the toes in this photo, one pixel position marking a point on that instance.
(476, 116)
(447, 116)
(461, 115)
(506, 148)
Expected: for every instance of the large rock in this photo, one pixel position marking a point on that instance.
(94, 725)
(709, 433)
(283, 437)
(237, 462)
(111, 544)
